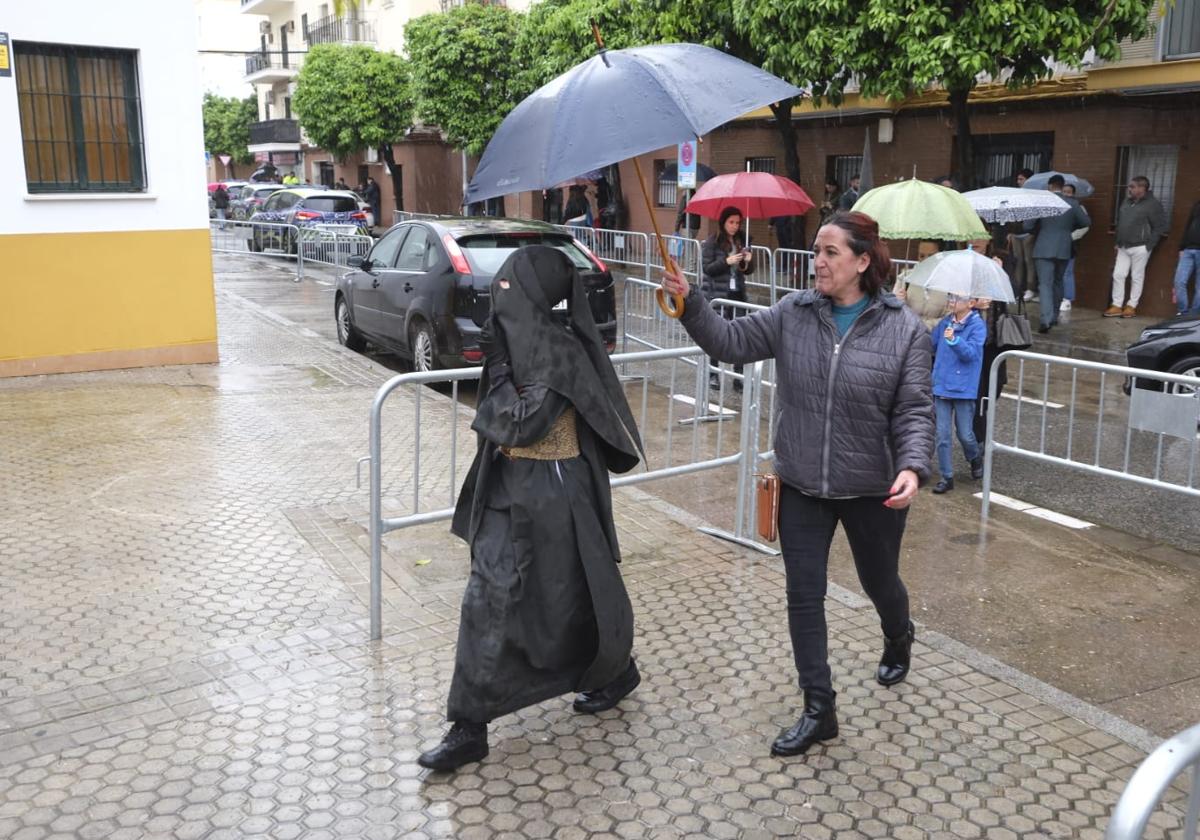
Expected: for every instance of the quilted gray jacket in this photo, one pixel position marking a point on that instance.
(854, 411)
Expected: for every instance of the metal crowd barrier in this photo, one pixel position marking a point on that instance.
(1149, 783)
(664, 374)
(258, 239)
(1119, 422)
(793, 270)
(331, 247)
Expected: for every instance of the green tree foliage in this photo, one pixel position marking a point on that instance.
(463, 70)
(350, 98)
(227, 126)
(894, 48)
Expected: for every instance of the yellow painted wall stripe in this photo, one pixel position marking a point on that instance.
(63, 294)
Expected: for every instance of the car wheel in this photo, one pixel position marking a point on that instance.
(1189, 366)
(347, 335)
(423, 347)
(256, 244)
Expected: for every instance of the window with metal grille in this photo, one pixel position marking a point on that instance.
(760, 164)
(1181, 35)
(81, 123)
(999, 157)
(1159, 164)
(666, 193)
(842, 168)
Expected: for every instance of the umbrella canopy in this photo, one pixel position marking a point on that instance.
(703, 173)
(1011, 204)
(1041, 180)
(758, 195)
(965, 273)
(920, 210)
(617, 105)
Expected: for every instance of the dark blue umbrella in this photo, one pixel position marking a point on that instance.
(617, 105)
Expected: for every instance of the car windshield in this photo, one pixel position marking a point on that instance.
(331, 203)
(262, 192)
(488, 252)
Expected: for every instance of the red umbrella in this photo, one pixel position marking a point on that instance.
(759, 195)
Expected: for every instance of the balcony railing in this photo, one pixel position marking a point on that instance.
(257, 62)
(274, 131)
(340, 30)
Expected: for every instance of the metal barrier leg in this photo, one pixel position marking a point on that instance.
(751, 392)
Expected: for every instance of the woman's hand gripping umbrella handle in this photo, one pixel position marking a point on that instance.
(672, 307)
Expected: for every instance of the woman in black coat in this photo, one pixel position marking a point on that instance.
(727, 261)
(990, 311)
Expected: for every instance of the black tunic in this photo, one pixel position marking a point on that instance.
(545, 611)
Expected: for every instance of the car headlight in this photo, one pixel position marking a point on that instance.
(1148, 334)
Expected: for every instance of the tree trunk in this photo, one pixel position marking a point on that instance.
(791, 158)
(389, 156)
(962, 129)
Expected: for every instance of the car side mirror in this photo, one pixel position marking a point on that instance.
(361, 263)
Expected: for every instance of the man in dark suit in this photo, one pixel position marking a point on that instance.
(1052, 251)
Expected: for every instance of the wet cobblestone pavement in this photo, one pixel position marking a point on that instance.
(183, 569)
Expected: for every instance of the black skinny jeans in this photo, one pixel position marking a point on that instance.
(806, 526)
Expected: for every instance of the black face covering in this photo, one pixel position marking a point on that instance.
(571, 359)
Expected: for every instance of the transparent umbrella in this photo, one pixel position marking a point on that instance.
(965, 273)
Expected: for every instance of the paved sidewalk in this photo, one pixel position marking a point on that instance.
(183, 558)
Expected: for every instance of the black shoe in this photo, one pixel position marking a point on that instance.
(714, 382)
(737, 385)
(602, 699)
(977, 468)
(463, 744)
(818, 723)
(944, 486)
(1044, 328)
(897, 654)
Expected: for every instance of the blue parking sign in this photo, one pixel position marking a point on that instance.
(686, 165)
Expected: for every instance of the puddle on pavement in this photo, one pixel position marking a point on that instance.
(234, 379)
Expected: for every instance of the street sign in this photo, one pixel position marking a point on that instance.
(225, 159)
(5, 53)
(687, 166)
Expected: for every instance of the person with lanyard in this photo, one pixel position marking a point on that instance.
(853, 442)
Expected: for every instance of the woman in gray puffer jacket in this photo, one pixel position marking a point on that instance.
(853, 442)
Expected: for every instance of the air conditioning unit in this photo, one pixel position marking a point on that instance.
(264, 26)
(291, 27)
(372, 155)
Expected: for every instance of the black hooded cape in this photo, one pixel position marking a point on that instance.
(545, 611)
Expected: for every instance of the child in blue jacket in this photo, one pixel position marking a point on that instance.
(957, 359)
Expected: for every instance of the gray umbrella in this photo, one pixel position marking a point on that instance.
(617, 105)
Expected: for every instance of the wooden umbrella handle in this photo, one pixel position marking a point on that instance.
(671, 305)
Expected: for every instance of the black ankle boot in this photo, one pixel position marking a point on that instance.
(944, 486)
(977, 468)
(602, 699)
(897, 654)
(463, 744)
(818, 723)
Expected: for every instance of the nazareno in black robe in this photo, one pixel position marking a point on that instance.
(545, 611)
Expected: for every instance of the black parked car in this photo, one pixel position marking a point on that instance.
(424, 289)
(1169, 347)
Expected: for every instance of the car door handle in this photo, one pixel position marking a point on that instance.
(408, 287)
(375, 283)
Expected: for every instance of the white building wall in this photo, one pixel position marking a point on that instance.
(164, 34)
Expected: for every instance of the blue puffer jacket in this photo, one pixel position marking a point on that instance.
(957, 362)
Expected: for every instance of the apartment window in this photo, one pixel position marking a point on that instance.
(999, 157)
(1159, 164)
(842, 168)
(304, 27)
(666, 193)
(1181, 34)
(81, 126)
(287, 107)
(325, 168)
(760, 164)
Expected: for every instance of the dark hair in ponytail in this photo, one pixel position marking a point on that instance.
(863, 233)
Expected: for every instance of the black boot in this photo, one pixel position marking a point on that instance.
(602, 699)
(818, 723)
(977, 468)
(897, 654)
(463, 744)
(945, 485)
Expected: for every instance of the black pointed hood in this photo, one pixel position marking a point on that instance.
(567, 358)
